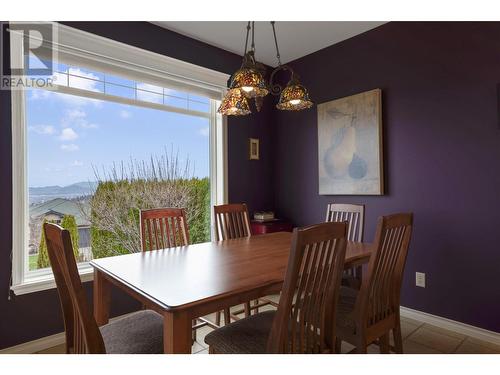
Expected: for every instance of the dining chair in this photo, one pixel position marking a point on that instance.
(370, 314)
(232, 221)
(354, 214)
(138, 333)
(163, 228)
(305, 319)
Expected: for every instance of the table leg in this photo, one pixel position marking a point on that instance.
(102, 294)
(177, 333)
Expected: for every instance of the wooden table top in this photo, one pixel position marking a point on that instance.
(185, 276)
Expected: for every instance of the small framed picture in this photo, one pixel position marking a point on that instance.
(253, 146)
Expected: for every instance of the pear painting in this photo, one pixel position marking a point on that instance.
(350, 145)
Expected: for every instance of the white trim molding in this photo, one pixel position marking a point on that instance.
(451, 325)
(44, 282)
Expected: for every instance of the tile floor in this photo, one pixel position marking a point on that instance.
(418, 338)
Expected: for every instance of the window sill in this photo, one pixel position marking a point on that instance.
(45, 282)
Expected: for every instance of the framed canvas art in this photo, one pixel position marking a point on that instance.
(350, 145)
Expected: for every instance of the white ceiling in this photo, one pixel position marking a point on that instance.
(295, 38)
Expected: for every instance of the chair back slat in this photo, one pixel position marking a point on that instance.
(231, 221)
(82, 333)
(305, 319)
(163, 228)
(354, 214)
(380, 292)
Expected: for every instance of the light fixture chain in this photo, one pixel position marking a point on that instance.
(246, 40)
(276, 43)
(253, 36)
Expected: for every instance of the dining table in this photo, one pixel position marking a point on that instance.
(184, 283)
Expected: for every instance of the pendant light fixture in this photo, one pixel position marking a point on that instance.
(234, 104)
(249, 83)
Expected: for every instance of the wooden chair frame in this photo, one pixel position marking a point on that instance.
(354, 214)
(376, 310)
(233, 221)
(306, 316)
(81, 330)
(164, 228)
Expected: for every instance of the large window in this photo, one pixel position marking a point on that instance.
(107, 141)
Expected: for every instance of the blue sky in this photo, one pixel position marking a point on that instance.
(67, 135)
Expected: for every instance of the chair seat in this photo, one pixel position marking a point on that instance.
(345, 308)
(245, 336)
(137, 333)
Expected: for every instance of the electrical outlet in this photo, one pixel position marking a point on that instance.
(420, 279)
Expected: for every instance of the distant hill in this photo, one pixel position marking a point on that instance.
(76, 189)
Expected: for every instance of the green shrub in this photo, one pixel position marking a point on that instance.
(68, 222)
(115, 208)
(43, 255)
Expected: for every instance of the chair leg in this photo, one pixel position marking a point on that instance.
(247, 309)
(193, 332)
(256, 303)
(338, 345)
(398, 339)
(227, 317)
(384, 344)
(217, 318)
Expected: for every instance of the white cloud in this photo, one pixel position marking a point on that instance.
(125, 114)
(68, 134)
(38, 94)
(87, 125)
(77, 163)
(153, 94)
(76, 113)
(43, 129)
(205, 131)
(77, 117)
(70, 147)
(78, 79)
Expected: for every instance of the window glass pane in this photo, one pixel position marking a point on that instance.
(124, 92)
(86, 73)
(176, 102)
(77, 146)
(148, 96)
(150, 88)
(200, 99)
(85, 81)
(176, 94)
(119, 81)
(197, 106)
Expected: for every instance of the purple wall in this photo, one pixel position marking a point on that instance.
(442, 154)
(31, 316)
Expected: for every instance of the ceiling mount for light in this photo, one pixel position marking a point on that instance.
(249, 82)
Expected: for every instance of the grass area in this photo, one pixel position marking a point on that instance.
(33, 262)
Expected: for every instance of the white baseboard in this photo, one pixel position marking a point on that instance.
(452, 325)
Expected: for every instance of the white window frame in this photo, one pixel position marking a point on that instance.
(123, 57)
